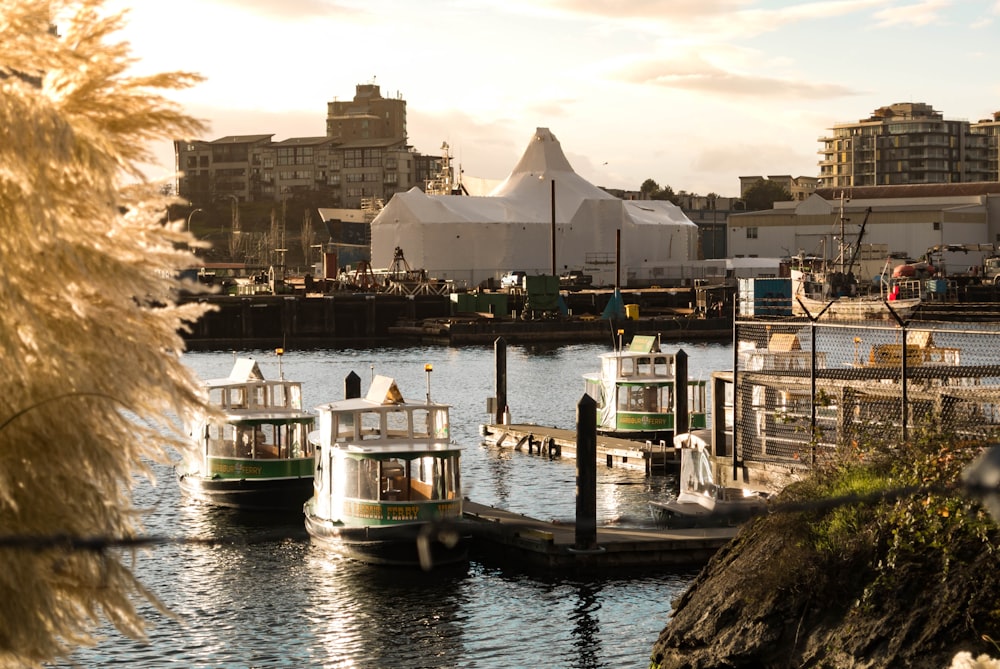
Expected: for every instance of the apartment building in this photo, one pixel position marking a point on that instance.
(908, 143)
(363, 159)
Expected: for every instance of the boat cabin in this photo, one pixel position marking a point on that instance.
(636, 389)
(263, 419)
(381, 448)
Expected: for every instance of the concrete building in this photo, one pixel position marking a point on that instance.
(904, 221)
(799, 188)
(908, 143)
(362, 161)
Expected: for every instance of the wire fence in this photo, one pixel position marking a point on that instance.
(803, 387)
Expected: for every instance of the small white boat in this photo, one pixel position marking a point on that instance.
(636, 392)
(700, 502)
(841, 299)
(257, 457)
(833, 290)
(388, 486)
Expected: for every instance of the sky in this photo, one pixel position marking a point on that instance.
(693, 94)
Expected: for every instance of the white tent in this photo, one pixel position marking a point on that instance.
(471, 239)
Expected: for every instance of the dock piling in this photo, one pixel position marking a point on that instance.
(352, 386)
(500, 381)
(586, 473)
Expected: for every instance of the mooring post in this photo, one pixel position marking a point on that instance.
(500, 378)
(682, 421)
(352, 386)
(586, 473)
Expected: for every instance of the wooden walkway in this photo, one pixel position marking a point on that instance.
(554, 442)
(516, 538)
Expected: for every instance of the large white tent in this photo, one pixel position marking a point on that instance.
(471, 239)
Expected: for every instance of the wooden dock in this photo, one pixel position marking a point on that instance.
(552, 442)
(516, 538)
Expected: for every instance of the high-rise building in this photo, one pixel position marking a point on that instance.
(364, 158)
(906, 143)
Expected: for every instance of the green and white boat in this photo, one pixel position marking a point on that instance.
(388, 486)
(636, 391)
(258, 456)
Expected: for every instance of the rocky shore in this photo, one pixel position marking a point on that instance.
(910, 581)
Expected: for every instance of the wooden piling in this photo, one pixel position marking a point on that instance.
(352, 386)
(681, 418)
(500, 378)
(586, 473)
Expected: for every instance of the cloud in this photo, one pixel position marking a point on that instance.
(696, 74)
(924, 13)
(689, 19)
(292, 10)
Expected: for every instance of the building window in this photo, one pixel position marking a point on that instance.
(937, 225)
(752, 233)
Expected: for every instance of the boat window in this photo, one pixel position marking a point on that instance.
(627, 367)
(279, 395)
(218, 445)
(352, 477)
(217, 397)
(661, 366)
(421, 424)
(296, 441)
(343, 427)
(397, 424)
(435, 477)
(393, 482)
(367, 478)
(371, 425)
(441, 426)
(259, 396)
(593, 388)
(266, 443)
(237, 398)
(653, 399)
(644, 366)
(697, 397)
(244, 441)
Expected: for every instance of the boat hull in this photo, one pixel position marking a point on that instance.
(421, 544)
(281, 494)
(682, 515)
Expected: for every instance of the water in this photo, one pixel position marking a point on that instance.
(272, 599)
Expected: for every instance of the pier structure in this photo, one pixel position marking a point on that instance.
(347, 318)
(513, 538)
(517, 539)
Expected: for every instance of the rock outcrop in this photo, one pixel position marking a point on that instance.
(899, 596)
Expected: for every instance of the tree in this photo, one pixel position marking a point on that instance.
(649, 188)
(764, 193)
(652, 191)
(93, 383)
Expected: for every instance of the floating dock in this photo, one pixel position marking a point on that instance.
(552, 442)
(516, 538)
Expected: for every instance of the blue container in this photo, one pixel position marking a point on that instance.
(765, 296)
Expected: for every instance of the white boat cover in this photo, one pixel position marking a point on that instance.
(471, 239)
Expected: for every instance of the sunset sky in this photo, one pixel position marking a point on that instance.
(691, 93)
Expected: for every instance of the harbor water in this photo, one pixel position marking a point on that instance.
(270, 598)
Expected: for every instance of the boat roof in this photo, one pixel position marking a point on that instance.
(383, 392)
(244, 370)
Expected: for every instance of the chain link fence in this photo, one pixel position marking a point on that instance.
(804, 387)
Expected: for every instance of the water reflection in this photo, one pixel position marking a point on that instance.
(376, 617)
(268, 598)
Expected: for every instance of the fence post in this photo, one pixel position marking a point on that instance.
(812, 392)
(736, 388)
(902, 380)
